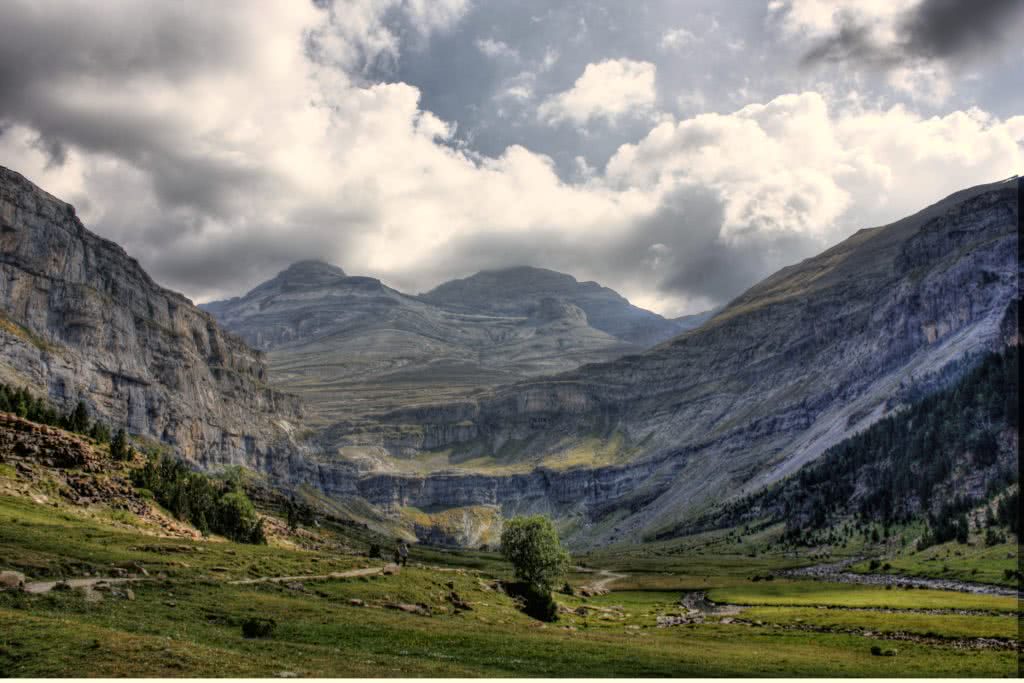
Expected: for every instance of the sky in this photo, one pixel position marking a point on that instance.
(677, 151)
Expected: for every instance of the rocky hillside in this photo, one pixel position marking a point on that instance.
(81, 320)
(812, 354)
(516, 291)
(352, 346)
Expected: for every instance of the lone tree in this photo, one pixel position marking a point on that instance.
(531, 544)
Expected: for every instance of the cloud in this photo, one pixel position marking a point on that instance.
(218, 147)
(607, 90)
(742, 194)
(675, 38)
(914, 36)
(496, 49)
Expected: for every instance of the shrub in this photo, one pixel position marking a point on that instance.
(238, 519)
(535, 600)
(567, 589)
(258, 627)
(374, 550)
(531, 544)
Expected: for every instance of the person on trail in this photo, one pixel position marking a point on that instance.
(403, 552)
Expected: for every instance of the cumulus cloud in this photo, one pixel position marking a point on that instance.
(792, 175)
(219, 148)
(607, 90)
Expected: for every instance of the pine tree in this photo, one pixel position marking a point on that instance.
(119, 448)
(78, 421)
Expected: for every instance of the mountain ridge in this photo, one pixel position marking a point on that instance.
(353, 346)
(785, 370)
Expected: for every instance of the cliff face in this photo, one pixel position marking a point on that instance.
(79, 319)
(807, 357)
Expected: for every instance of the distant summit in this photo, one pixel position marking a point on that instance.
(351, 345)
(311, 273)
(518, 290)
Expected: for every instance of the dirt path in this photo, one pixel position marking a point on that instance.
(836, 573)
(368, 571)
(86, 583)
(601, 585)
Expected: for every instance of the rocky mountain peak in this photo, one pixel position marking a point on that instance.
(310, 273)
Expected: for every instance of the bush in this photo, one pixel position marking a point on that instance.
(531, 544)
(258, 627)
(536, 601)
(567, 589)
(374, 551)
(238, 520)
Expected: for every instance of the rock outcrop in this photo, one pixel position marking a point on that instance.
(81, 320)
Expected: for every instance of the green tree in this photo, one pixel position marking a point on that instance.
(21, 406)
(100, 432)
(119, 448)
(531, 544)
(78, 421)
(238, 519)
(293, 514)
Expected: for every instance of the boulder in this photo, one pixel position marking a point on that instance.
(12, 580)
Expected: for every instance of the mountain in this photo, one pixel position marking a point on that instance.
(81, 320)
(621, 450)
(804, 359)
(515, 291)
(352, 346)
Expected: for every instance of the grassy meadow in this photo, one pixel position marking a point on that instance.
(185, 618)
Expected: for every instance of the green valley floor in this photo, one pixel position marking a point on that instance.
(179, 607)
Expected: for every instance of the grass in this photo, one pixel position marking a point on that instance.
(940, 625)
(964, 562)
(174, 630)
(186, 620)
(813, 593)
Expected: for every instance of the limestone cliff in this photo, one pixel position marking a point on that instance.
(80, 319)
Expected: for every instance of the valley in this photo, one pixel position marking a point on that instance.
(112, 593)
(820, 478)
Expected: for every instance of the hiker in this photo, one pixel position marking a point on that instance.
(403, 552)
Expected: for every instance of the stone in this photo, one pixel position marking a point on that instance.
(11, 580)
(422, 610)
